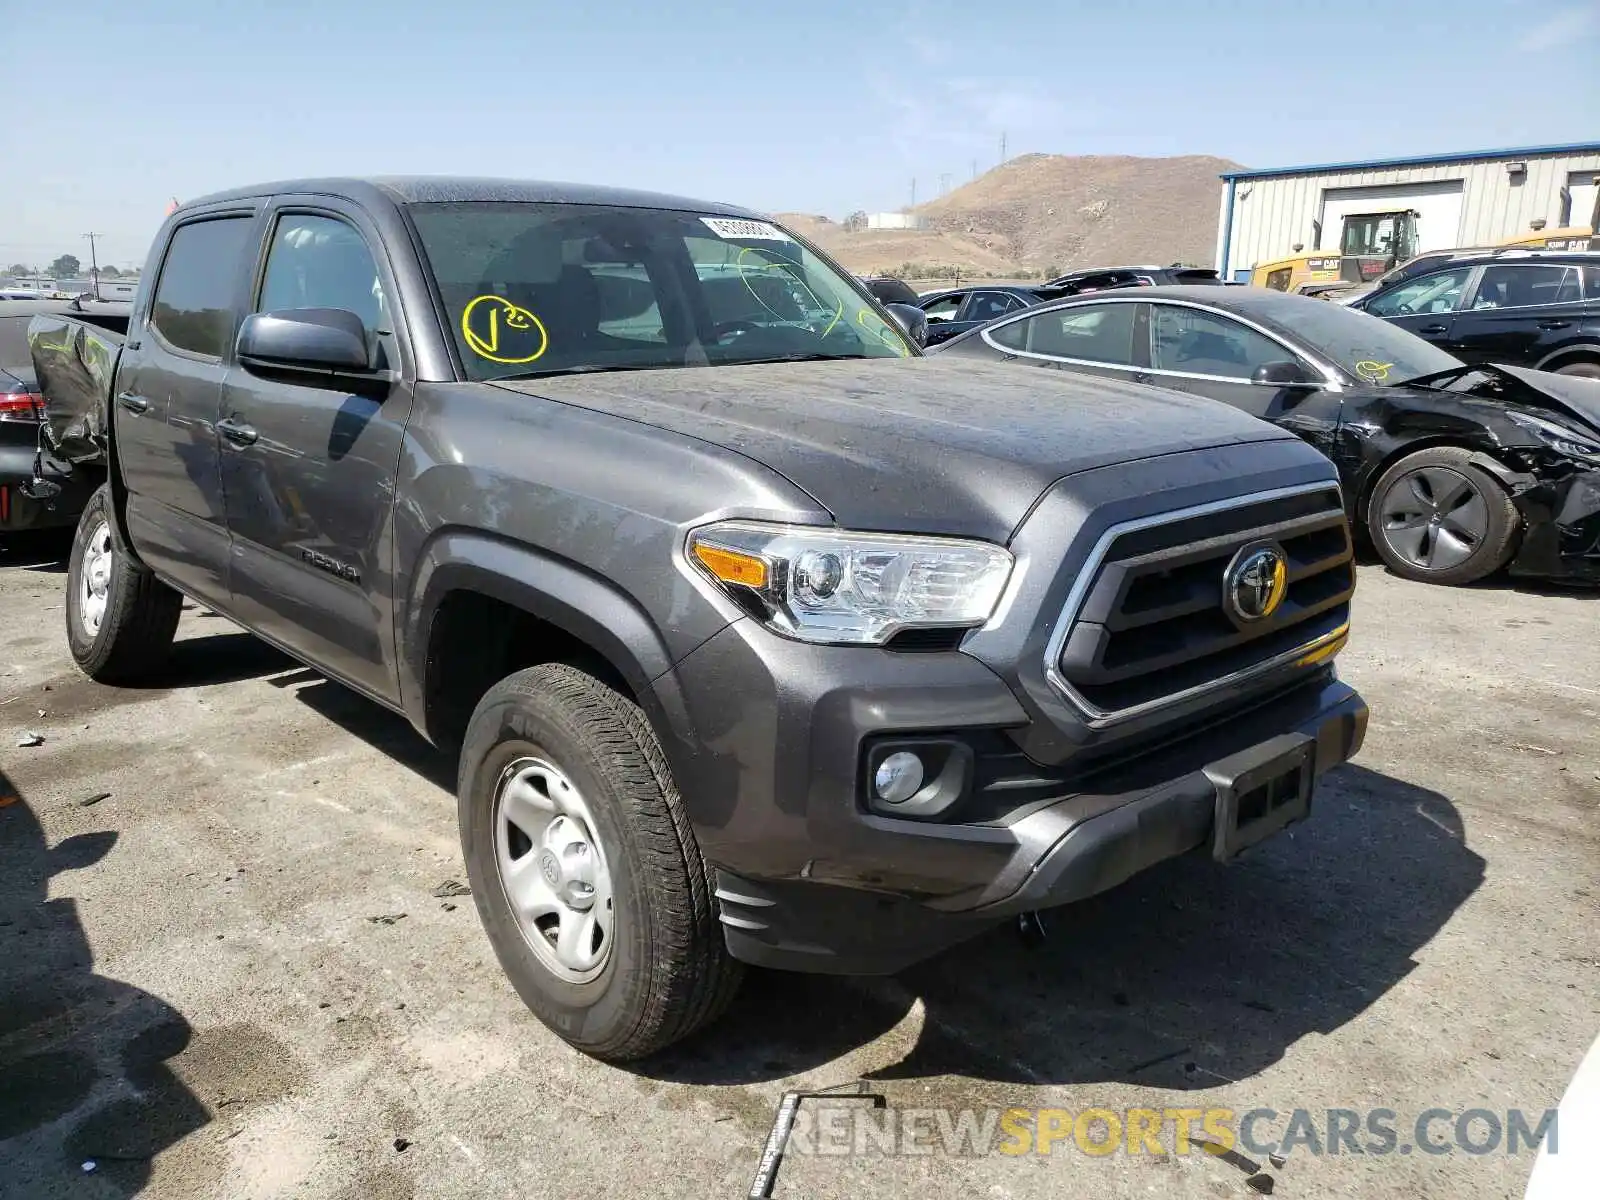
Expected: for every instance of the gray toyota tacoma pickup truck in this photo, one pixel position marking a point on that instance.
(761, 637)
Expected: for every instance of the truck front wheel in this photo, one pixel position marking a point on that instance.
(584, 868)
(120, 618)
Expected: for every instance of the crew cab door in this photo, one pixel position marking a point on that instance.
(309, 457)
(1518, 313)
(166, 396)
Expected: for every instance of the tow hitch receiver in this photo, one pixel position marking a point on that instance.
(1260, 791)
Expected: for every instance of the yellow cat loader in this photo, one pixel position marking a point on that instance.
(1369, 245)
(1567, 237)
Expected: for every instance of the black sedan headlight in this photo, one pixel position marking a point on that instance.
(1585, 447)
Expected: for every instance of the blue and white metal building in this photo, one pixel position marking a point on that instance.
(1470, 199)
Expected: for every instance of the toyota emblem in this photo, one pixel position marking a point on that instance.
(1254, 583)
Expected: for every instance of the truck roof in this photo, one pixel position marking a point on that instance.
(422, 189)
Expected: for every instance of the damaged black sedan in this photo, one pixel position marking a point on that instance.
(1453, 471)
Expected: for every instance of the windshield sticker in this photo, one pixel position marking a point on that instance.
(500, 331)
(725, 227)
(1373, 372)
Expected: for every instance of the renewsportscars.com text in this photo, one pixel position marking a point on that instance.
(846, 1129)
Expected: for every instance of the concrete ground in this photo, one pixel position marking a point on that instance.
(224, 970)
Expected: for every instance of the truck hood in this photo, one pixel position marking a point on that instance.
(919, 445)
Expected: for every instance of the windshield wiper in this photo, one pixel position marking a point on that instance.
(583, 369)
(803, 357)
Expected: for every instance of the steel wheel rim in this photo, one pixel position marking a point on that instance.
(553, 869)
(1434, 518)
(94, 579)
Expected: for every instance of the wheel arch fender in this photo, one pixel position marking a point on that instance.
(545, 586)
(1577, 352)
(1512, 480)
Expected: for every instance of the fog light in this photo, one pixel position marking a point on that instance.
(898, 777)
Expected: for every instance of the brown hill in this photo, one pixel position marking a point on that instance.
(1048, 212)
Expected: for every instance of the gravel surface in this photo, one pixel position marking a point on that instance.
(197, 1000)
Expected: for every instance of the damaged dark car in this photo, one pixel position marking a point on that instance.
(1453, 471)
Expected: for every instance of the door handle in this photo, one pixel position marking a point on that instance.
(1554, 324)
(239, 435)
(1434, 329)
(134, 402)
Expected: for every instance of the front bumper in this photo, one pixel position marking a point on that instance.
(19, 513)
(1562, 522)
(810, 879)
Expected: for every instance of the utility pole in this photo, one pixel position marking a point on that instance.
(1002, 149)
(94, 264)
(974, 168)
(913, 193)
(944, 183)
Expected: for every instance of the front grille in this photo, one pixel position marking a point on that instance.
(1151, 625)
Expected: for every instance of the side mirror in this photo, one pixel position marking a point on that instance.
(316, 339)
(1284, 374)
(911, 319)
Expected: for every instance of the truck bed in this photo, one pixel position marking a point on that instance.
(75, 359)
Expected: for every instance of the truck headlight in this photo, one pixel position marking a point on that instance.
(828, 585)
(1582, 446)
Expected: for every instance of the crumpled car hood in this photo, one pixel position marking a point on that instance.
(1570, 395)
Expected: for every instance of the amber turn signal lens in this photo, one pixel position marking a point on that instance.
(732, 567)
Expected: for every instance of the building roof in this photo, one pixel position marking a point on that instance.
(420, 189)
(1376, 164)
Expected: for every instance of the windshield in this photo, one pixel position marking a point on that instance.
(1366, 347)
(546, 289)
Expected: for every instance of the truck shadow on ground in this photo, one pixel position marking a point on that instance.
(83, 1058)
(1184, 977)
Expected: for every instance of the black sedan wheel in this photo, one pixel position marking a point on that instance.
(1438, 518)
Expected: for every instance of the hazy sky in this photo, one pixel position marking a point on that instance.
(111, 109)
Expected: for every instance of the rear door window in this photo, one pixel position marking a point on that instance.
(1526, 285)
(1099, 333)
(194, 300)
(1191, 341)
(985, 306)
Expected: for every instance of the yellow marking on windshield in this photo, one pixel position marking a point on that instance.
(884, 333)
(523, 335)
(1373, 372)
(837, 313)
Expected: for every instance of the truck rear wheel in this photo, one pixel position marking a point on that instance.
(120, 618)
(584, 868)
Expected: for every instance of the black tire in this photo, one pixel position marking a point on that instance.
(1583, 370)
(667, 972)
(1497, 524)
(140, 614)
